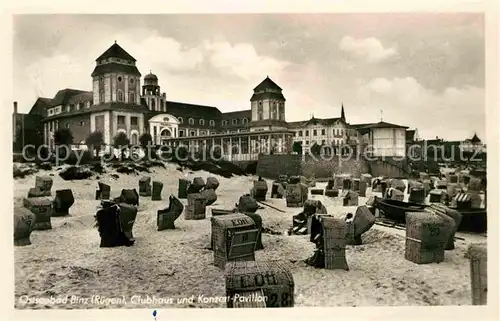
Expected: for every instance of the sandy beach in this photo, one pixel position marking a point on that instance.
(66, 261)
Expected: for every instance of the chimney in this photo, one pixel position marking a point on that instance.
(15, 107)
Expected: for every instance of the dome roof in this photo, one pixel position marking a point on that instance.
(150, 76)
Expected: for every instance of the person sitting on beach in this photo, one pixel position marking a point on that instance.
(388, 193)
(317, 260)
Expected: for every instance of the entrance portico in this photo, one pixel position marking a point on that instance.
(163, 127)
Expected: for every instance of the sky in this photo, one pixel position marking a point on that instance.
(421, 70)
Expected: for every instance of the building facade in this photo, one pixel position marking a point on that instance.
(333, 132)
(119, 104)
(473, 145)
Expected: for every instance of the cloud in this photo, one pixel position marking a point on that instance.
(242, 60)
(454, 113)
(47, 75)
(166, 53)
(380, 85)
(370, 49)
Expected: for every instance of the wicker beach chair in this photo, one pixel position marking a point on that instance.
(62, 202)
(166, 217)
(196, 207)
(24, 223)
(42, 208)
(234, 238)
(478, 273)
(145, 186)
(272, 279)
(156, 191)
(426, 237)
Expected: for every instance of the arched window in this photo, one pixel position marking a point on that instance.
(153, 104)
(133, 139)
(191, 121)
(131, 98)
(101, 89)
(244, 121)
(180, 120)
(120, 96)
(202, 122)
(260, 111)
(212, 123)
(224, 123)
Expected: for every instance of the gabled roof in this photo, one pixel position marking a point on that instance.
(475, 139)
(40, 106)
(64, 95)
(382, 124)
(101, 107)
(45, 101)
(267, 95)
(267, 84)
(81, 98)
(297, 124)
(115, 67)
(356, 126)
(115, 51)
(315, 121)
(238, 114)
(191, 110)
(324, 121)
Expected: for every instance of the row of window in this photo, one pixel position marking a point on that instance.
(81, 123)
(120, 97)
(123, 61)
(212, 122)
(73, 107)
(134, 121)
(183, 133)
(68, 108)
(277, 111)
(162, 106)
(323, 142)
(55, 125)
(336, 132)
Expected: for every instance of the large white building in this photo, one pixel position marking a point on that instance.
(377, 139)
(382, 139)
(119, 104)
(322, 131)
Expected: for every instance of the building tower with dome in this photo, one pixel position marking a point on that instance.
(155, 100)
